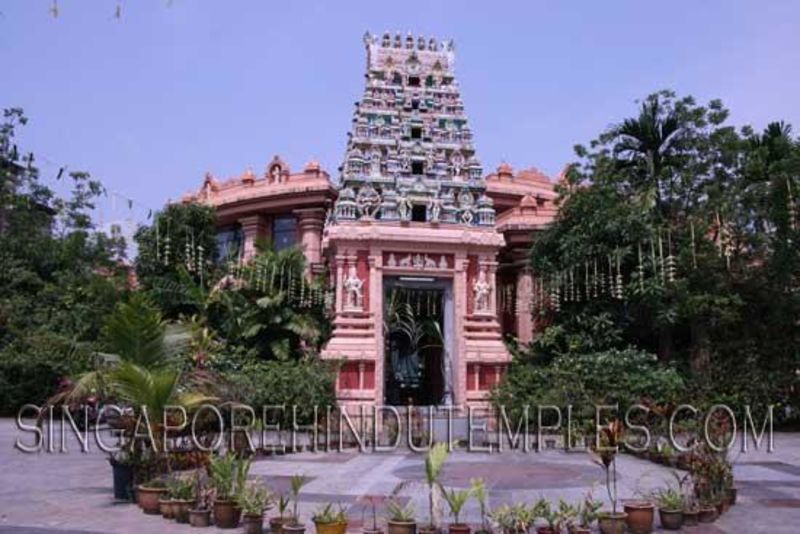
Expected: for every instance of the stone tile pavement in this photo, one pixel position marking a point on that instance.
(71, 493)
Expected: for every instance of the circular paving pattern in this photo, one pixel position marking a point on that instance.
(512, 475)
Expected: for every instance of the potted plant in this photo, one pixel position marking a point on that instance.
(478, 487)
(587, 514)
(329, 521)
(253, 500)
(148, 495)
(181, 494)
(401, 519)
(456, 499)
(707, 513)
(525, 516)
(670, 508)
(640, 515)
(374, 528)
(551, 516)
(293, 525)
(434, 462)
(228, 475)
(504, 519)
(606, 454)
(276, 523)
(200, 514)
(122, 466)
(165, 506)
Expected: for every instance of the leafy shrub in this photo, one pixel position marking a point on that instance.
(608, 377)
(31, 369)
(305, 384)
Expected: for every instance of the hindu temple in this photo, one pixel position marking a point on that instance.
(427, 254)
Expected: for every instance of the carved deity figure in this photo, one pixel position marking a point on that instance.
(482, 289)
(275, 174)
(368, 201)
(353, 287)
(404, 207)
(435, 209)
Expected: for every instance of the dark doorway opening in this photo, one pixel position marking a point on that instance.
(417, 167)
(414, 351)
(419, 213)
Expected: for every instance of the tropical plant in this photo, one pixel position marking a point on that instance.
(588, 509)
(605, 451)
(181, 488)
(400, 513)
(669, 499)
(283, 504)
(327, 515)
(456, 499)
(478, 487)
(254, 498)
(434, 462)
(296, 484)
(229, 475)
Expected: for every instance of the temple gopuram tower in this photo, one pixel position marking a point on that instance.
(411, 242)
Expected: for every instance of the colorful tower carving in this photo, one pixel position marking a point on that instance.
(413, 212)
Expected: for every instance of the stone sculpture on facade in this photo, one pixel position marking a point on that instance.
(353, 287)
(483, 291)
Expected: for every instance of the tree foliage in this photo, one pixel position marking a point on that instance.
(677, 180)
(59, 276)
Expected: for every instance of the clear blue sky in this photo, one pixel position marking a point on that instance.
(149, 102)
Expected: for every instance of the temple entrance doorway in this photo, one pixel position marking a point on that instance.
(418, 326)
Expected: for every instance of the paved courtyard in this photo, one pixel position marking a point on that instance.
(71, 493)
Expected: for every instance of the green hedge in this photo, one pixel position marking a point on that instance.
(304, 384)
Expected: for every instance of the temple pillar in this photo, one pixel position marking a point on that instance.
(459, 363)
(254, 227)
(310, 223)
(524, 301)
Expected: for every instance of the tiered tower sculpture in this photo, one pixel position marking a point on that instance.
(410, 154)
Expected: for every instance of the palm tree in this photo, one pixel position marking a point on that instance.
(646, 141)
(149, 393)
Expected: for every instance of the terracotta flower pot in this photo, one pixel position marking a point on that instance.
(640, 516)
(147, 498)
(293, 528)
(707, 514)
(459, 528)
(690, 517)
(200, 518)
(180, 509)
(722, 507)
(276, 523)
(331, 528)
(671, 519)
(226, 514)
(611, 523)
(165, 507)
(401, 527)
(253, 523)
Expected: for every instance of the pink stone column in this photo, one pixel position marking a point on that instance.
(376, 308)
(253, 227)
(339, 304)
(458, 362)
(310, 223)
(524, 301)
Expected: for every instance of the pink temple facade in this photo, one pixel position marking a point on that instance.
(427, 255)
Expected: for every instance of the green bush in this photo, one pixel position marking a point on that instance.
(305, 384)
(583, 380)
(30, 369)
